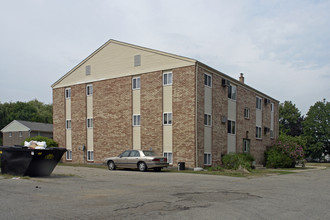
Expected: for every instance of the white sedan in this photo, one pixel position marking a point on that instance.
(140, 159)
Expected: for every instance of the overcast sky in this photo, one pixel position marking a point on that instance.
(282, 47)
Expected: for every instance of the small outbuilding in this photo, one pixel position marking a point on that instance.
(17, 131)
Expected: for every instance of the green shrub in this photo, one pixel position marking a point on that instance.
(50, 142)
(284, 154)
(216, 168)
(276, 159)
(237, 161)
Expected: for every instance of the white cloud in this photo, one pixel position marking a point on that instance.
(281, 46)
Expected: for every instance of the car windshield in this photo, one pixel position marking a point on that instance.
(149, 153)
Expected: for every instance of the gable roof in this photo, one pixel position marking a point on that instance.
(18, 125)
(108, 60)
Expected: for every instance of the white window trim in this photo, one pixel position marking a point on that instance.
(230, 87)
(136, 79)
(231, 127)
(208, 120)
(210, 162)
(133, 122)
(10, 134)
(248, 150)
(209, 76)
(257, 97)
(68, 89)
(167, 113)
(248, 113)
(20, 134)
(90, 154)
(67, 123)
(167, 73)
(257, 137)
(69, 155)
(168, 152)
(87, 90)
(90, 123)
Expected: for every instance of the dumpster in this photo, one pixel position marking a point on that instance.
(23, 161)
(181, 166)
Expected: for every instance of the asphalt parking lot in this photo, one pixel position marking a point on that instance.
(92, 193)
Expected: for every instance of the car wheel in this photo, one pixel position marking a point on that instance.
(157, 169)
(111, 165)
(142, 166)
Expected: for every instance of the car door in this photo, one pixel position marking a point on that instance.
(122, 160)
(133, 159)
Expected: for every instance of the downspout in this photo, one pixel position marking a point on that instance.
(196, 109)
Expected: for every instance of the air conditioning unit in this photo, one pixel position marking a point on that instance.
(267, 101)
(225, 82)
(223, 119)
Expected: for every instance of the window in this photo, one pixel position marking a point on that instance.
(10, 134)
(207, 120)
(136, 120)
(207, 158)
(246, 113)
(88, 70)
(68, 124)
(169, 157)
(167, 78)
(68, 93)
(90, 155)
(271, 133)
(258, 132)
(125, 154)
(89, 123)
(232, 92)
(20, 134)
(272, 107)
(208, 80)
(137, 60)
(134, 153)
(167, 118)
(258, 103)
(231, 127)
(69, 155)
(89, 90)
(136, 83)
(246, 145)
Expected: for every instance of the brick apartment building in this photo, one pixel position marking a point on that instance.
(125, 96)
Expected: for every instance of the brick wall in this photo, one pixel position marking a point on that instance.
(78, 122)
(112, 112)
(219, 129)
(59, 116)
(152, 111)
(184, 146)
(200, 117)
(15, 139)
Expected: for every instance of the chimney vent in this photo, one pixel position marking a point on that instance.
(241, 78)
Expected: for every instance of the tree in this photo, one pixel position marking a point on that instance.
(317, 129)
(27, 111)
(290, 119)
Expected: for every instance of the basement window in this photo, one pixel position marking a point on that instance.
(169, 157)
(90, 155)
(89, 123)
(69, 155)
(207, 158)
